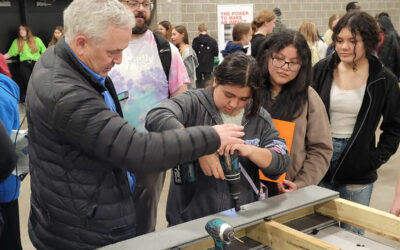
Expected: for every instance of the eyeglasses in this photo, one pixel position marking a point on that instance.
(136, 5)
(280, 63)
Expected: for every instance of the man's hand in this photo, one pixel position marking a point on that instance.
(229, 134)
(243, 149)
(210, 165)
(290, 186)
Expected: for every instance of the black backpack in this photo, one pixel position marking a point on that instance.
(164, 51)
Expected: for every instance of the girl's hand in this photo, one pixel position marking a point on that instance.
(211, 166)
(286, 187)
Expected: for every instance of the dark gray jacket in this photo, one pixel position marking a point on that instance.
(208, 195)
(80, 152)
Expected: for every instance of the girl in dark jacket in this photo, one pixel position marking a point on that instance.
(262, 26)
(233, 98)
(358, 91)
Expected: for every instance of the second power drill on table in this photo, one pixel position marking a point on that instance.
(221, 232)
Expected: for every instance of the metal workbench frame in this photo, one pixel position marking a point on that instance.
(250, 214)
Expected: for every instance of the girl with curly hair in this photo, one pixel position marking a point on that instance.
(358, 91)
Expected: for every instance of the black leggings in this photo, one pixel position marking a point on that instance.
(25, 69)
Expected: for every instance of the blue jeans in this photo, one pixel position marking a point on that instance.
(357, 193)
(339, 144)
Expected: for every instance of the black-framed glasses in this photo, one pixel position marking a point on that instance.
(136, 4)
(280, 63)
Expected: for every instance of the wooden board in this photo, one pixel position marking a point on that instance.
(295, 215)
(279, 236)
(370, 219)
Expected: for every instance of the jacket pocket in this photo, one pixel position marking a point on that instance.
(188, 209)
(205, 200)
(374, 160)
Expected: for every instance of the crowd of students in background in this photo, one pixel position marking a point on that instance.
(248, 39)
(28, 48)
(335, 88)
(200, 57)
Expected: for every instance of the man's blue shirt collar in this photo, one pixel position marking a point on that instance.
(98, 77)
(106, 94)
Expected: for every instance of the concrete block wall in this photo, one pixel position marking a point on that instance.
(193, 12)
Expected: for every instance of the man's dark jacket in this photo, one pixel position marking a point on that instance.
(389, 53)
(362, 157)
(206, 49)
(80, 152)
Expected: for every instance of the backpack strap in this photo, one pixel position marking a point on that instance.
(164, 51)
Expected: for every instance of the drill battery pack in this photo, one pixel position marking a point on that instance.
(185, 173)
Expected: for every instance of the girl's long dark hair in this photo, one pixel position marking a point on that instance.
(54, 40)
(240, 70)
(294, 94)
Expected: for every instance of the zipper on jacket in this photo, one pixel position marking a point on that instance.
(245, 123)
(355, 137)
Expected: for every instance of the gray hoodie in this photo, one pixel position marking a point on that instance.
(189, 58)
(208, 195)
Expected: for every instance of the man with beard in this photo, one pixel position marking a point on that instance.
(141, 83)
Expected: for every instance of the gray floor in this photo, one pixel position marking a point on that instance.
(382, 198)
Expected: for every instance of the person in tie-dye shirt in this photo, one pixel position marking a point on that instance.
(141, 83)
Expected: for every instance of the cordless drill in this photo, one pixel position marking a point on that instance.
(230, 166)
(221, 232)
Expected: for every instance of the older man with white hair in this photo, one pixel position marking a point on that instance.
(80, 146)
